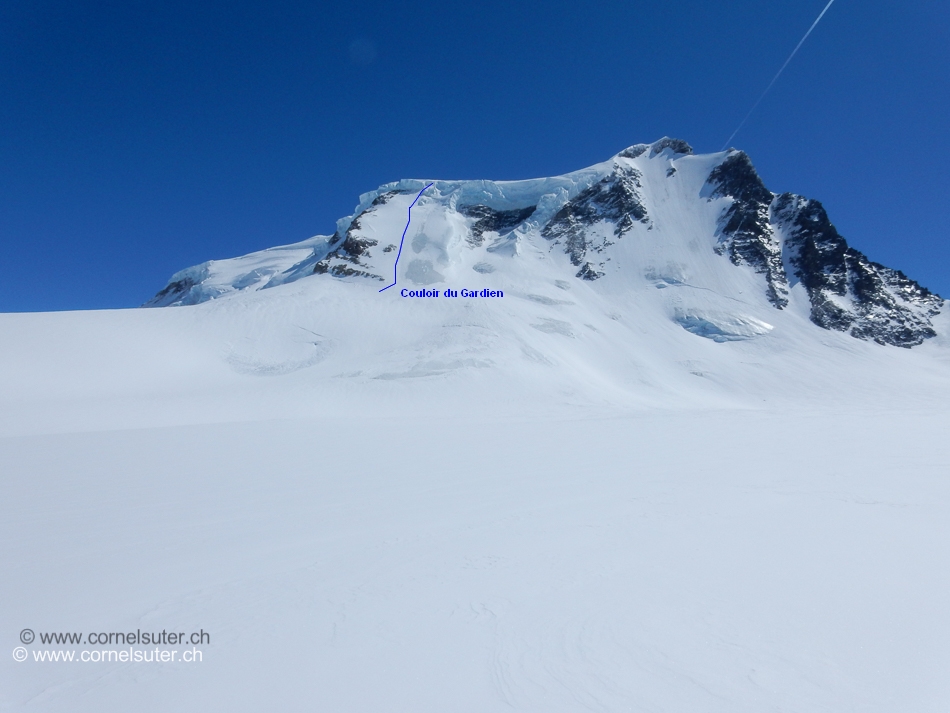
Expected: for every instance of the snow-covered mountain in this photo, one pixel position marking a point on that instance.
(728, 252)
(667, 458)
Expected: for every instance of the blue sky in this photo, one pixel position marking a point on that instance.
(139, 138)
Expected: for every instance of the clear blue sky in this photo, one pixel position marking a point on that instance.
(140, 138)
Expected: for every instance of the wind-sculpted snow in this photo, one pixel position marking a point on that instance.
(655, 216)
(723, 327)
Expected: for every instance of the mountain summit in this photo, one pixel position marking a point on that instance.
(698, 237)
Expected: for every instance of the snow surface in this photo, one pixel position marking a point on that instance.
(653, 492)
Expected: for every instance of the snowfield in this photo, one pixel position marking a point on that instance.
(652, 490)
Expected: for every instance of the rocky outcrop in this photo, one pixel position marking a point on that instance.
(615, 199)
(746, 234)
(848, 292)
(176, 292)
(347, 254)
(675, 145)
(635, 151)
(588, 272)
(489, 220)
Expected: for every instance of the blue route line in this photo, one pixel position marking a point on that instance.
(404, 237)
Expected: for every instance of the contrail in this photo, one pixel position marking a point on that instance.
(778, 74)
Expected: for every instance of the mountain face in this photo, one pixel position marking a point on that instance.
(703, 229)
(847, 292)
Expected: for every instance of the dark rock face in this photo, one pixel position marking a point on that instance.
(746, 234)
(848, 292)
(341, 270)
(588, 272)
(354, 247)
(615, 199)
(634, 151)
(173, 293)
(676, 145)
(383, 198)
(351, 248)
(489, 220)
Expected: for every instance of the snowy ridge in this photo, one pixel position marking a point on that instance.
(654, 211)
(216, 278)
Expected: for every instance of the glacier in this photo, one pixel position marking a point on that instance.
(694, 459)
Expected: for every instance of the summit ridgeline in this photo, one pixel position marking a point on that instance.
(704, 229)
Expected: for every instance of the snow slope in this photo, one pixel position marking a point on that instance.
(653, 490)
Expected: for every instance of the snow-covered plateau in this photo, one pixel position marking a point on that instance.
(694, 457)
